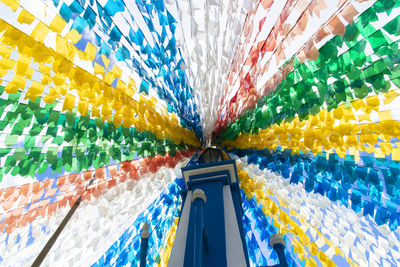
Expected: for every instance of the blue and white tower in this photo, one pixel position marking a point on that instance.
(210, 231)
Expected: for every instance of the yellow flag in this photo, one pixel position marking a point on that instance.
(46, 79)
(25, 17)
(11, 4)
(59, 79)
(58, 24)
(338, 113)
(74, 36)
(357, 104)
(105, 60)
(98, 69)
(3, 72)
(69, 102)
(5, 51)
(117, 120)
(373, 102)
(95, 112)
(132, 83)
(62, 47)
(22, 64)
(45, 69)
(28, 73)
(35, 91)
(364, 117)
(106, 112)
(6, 63)
(385, 115)
(117, 71)
(386, 148)
(389, 96)
(90, 51)
(396, 154)
(120, 85)
(129, 91)
(83, 107)
(17, 83)
(51, 97)
(40, 32)
(109, 78)
(349, 114)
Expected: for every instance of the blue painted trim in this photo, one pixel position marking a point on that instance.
(228, 163)
(222, 178)
(196, 176)
(207, 165)
(210, 174)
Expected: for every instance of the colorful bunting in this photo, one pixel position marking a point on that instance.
(107, 100)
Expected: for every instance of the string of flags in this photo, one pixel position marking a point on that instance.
(105, 100)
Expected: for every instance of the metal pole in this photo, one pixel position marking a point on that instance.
(280, 250)
(278, 244)
(144, 245)
(198, 201)
(54, 237)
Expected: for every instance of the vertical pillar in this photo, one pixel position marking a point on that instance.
(144, 244)
(198, 201)
(278, 244)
